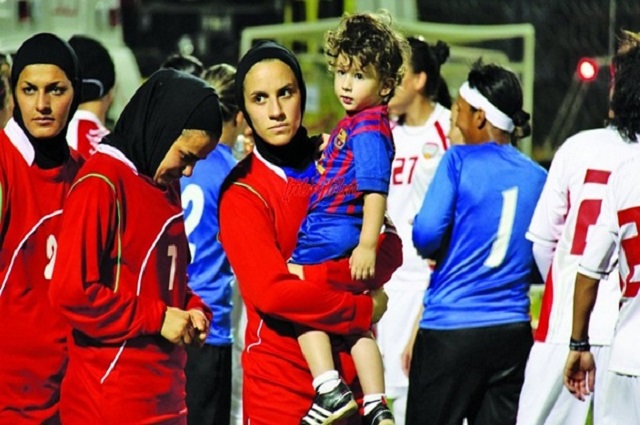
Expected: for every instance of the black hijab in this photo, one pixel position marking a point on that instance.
(167, 103)
(47, 49)
(300, 151)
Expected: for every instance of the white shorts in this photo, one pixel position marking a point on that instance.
(239, 325)
(399, 409)
(393, 333)
(544, 400)
(620, 400)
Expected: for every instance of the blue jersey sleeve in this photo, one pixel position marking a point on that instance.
(373, 154)
(437, 211)
(210, 274)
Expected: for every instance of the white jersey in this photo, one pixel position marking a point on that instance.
(85, 131)
(617, 232)
(565, 214)
(418, 152)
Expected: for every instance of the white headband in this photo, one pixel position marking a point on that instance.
(494, 115)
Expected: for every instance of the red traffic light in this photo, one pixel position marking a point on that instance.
(587, 69)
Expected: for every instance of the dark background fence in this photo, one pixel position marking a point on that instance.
(566, 30)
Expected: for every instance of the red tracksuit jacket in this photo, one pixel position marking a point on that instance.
(125, 260)
(260, 216)
(32, 334)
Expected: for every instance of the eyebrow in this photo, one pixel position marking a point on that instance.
(288, 86)
(192, 156)
(55, 84)
(48, 85)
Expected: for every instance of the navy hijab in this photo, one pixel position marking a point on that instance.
(47, 49)
(167, 103)
(300, 151)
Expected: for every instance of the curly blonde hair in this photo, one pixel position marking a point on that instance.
(370, 39)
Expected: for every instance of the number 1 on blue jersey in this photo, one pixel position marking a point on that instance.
(505, 227)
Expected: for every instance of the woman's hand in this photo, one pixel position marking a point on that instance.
(199, 325)
(380, 300)
(405, 358)
(177, 327)
(296, 269)
(407, 353)
(580, 374)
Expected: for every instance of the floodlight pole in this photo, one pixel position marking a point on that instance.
(612, 27)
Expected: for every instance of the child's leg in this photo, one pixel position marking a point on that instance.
(316, 349)
(368, 362)
(333, 399)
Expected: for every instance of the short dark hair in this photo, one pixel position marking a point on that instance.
(502, 88)
(625, 99)
(186, 63)
(428, 58)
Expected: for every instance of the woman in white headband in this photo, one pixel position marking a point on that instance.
(492, 110)
(474, 336)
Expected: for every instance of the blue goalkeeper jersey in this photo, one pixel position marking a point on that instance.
(210, 274)
(472, 223)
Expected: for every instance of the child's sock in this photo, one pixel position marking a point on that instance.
(326, 381)
(372, 400)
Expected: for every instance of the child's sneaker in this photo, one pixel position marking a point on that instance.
(330, 407)
(380, 415)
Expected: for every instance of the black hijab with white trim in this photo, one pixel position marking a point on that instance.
(300, 151)
(47, 49)
(167, 103)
